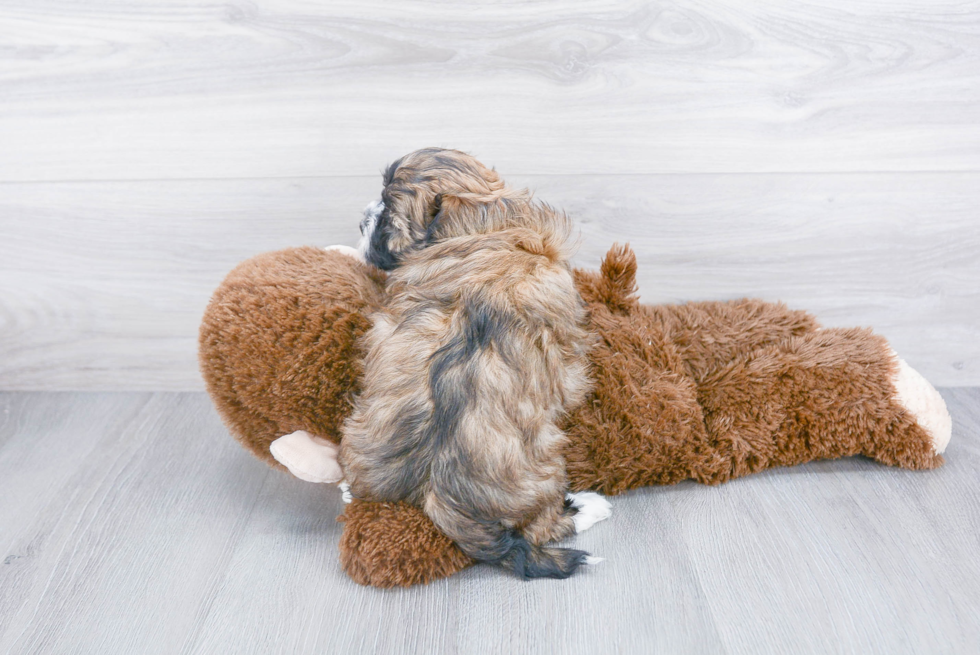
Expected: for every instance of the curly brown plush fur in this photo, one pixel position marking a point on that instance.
(278, 344)
(703, 391)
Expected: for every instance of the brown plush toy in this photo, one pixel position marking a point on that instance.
(707, 391)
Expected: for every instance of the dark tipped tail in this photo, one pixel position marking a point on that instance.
(529, 561)
(487, 540)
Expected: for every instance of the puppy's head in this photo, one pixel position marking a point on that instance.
(428, 195)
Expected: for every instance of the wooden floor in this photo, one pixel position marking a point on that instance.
(132, 523)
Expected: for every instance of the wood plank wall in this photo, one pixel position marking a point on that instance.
(824, 153)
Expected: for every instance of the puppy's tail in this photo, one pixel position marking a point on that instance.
(489, 541)
(528, 561)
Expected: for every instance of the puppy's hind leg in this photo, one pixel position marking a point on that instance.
(579, 512)
(554, 523)
(590, 509)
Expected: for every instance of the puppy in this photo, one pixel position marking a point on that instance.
(479, 350)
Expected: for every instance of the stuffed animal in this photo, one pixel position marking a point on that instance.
(707, 391)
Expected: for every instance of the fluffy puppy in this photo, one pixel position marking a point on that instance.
(479, 349)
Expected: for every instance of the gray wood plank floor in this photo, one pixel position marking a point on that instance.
(132, 523)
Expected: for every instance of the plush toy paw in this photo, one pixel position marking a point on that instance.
(308, 457)
(591, 507)
(915, 394)
(347, 250)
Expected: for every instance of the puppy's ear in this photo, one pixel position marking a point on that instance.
(433, 193)
(451, 215)
(413, 210)
(432, 229)
(400, 231)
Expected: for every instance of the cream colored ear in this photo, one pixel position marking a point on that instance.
(308, 457)
(347, 250)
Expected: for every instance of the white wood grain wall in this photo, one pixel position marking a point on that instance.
(823, 153)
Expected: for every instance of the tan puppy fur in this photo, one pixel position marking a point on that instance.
(478, 352)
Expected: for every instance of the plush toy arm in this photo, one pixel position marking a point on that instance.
(395, 545)
(826, 394)
(714, 391)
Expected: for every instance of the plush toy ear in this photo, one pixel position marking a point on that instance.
(308, 457)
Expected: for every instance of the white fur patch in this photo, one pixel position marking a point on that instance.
(347, 250)
(592, 560)
(308, 457)
(371, 214)
(914, 393)
(345, 493)
(591, 507)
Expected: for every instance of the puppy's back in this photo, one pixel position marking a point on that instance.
(480, 349)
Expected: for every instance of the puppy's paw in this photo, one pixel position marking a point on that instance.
(308, 457)
(347, 250)
(591, 507)
(345, 493)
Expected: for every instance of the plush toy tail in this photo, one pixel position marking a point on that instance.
(619, 271)
(615, 284)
